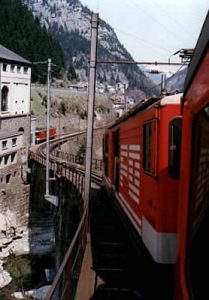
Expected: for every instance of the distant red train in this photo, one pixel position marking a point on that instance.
(156, 165)
(41, 134)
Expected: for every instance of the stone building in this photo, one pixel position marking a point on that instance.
(15, 80)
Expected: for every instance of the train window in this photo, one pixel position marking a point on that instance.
(116, 143)
(174, 147)
(150, 147)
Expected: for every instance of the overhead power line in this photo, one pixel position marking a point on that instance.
(152, 18)
(141, 40)
(156, 63)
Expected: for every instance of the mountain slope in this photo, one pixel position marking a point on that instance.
(23, 34)
(69, 22)
(176, 82)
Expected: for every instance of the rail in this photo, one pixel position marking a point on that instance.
(77, 159)
(63, 286)
(66, 165)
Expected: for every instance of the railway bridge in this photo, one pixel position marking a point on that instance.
(101, 261)
(66, 165)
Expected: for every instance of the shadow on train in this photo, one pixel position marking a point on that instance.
(122, 272)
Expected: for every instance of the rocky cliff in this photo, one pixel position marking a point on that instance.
(69, 22)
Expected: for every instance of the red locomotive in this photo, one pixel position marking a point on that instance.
(41, 134)
(156, 164)
(142, 152)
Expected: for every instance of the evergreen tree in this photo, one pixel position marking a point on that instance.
(23, 34)
(112, 79)
(71, 74)
(117, 79)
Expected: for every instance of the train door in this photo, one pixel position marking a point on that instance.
(197, 263)
(116, 141)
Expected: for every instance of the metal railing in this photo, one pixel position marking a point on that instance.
(77, 159)
(65, 282)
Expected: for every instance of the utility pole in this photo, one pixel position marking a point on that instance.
(48, 197)
(163, 80)
(163, 83)
(91, 101)
(125, 85)
(48, 123)
(125, 100)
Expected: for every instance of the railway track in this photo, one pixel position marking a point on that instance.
(113, 256)
(123, 271)
(96, 176)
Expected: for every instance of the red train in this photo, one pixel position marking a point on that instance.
(193, 213)
(41, 134)
(156, 164)
(142, 152)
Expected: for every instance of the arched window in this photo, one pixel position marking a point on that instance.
(4, 98)
(21, 129)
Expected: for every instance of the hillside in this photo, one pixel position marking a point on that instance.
(69, 109)
(176, 82)
(69, 22)
(23, 34)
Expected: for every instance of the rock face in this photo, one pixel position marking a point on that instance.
(8, 222)
(21, 232)
(5, 277)
(14, 216)
(35, 294)
(14, 204)
(176, 82)
(69, 23)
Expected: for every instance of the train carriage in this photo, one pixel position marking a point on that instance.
(193, 227)
(141, 157)
(41, 134)
(156, 164)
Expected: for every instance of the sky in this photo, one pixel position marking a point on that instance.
(153, 30)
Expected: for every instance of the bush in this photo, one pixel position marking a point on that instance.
(62, 108)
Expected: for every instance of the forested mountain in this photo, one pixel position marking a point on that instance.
(23, 34)
(69, 22)
(60, 29)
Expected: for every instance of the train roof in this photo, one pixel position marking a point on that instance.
(142, 105)
(8, 55)
(172, 99)
(201, 45)
(42, 128)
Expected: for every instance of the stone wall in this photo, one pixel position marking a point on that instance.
(14, 202)
(11, 124)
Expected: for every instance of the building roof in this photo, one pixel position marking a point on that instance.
(8, 55)
(10, 134)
